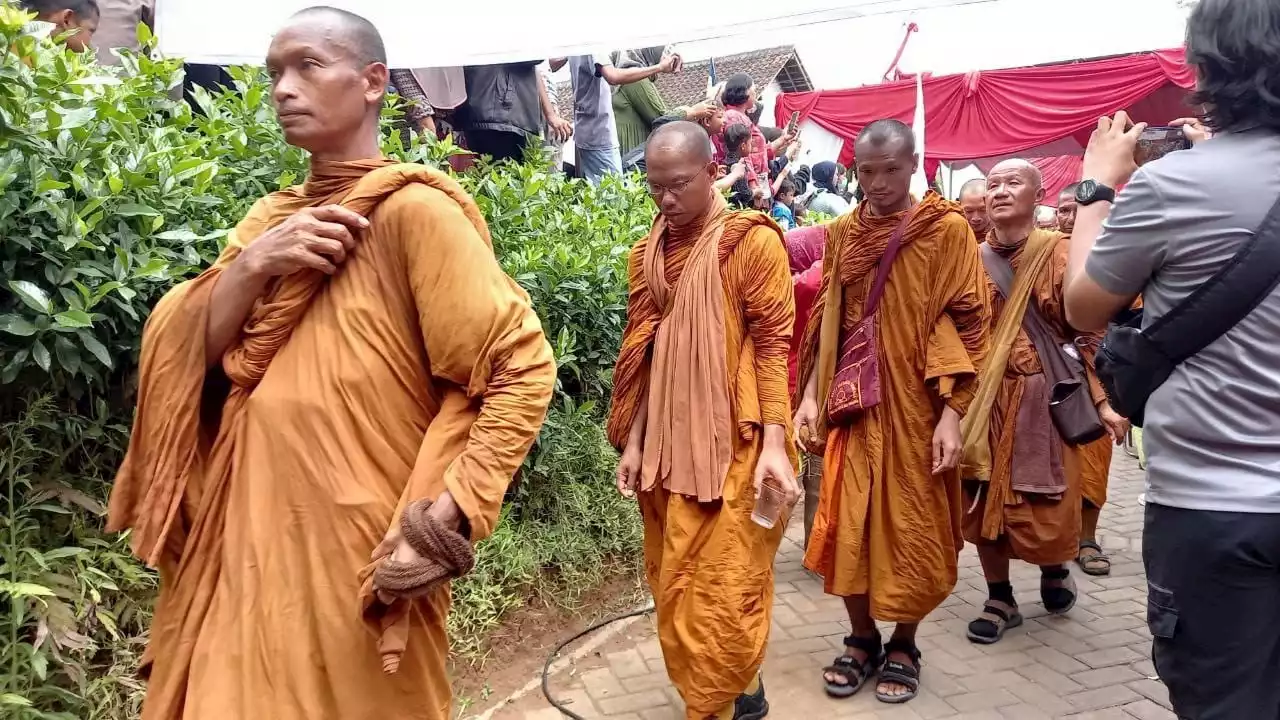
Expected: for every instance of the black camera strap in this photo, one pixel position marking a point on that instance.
(1224, 299)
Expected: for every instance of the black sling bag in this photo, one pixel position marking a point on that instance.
(1132, 362)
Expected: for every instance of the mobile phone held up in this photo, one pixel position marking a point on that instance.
(793, 122)
(1156, 142)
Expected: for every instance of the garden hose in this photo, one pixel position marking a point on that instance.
(546, 668)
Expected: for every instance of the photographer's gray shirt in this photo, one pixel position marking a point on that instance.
(1212, 434)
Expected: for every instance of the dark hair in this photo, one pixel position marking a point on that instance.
(787, 186)
(771, 133)
(83, 8)
(1234, 45)
(734, 136)
(737, 90)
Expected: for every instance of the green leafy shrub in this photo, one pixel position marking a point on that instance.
(111, 192)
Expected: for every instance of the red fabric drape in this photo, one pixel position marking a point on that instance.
(998, 112)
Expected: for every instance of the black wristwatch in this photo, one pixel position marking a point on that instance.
(1089, 192)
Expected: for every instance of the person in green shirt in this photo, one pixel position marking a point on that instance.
(637, 105)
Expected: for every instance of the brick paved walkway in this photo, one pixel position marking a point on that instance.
(1092, 664)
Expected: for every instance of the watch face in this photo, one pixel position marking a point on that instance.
(1085, 191)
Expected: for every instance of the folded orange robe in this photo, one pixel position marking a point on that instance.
(886, 526)
(710, 568)
(260, 488)
(1041, 530)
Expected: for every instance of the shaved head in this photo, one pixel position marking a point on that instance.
(1067, 208)
(355, 34)
(976, 187)
(683, 137)
(1015, 189)
(885, 159)
(681, 174)
(973, 202)
(1025, 167)
(885, 133)
(328, 81)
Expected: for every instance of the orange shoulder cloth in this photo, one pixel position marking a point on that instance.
(169, 454)
(688, 433)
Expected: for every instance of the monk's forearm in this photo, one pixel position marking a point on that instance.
(775, 437)
(512, 409)
(635, 438)
(811, 386)
(234, 293)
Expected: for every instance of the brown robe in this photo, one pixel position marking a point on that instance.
(1040, 529)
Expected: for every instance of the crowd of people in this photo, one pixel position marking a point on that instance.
(952, 372)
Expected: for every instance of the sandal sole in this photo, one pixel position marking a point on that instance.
(1013, 622)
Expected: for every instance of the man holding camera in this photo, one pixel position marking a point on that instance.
(1192, 233)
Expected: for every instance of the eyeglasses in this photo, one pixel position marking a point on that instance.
(658, 191)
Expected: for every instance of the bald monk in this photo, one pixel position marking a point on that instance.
(701, 416)
(1022, 487)
(887, 533)
(973, 201)
(1067, 209)
(327, 419)
(1095, 458)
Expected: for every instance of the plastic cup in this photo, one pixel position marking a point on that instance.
(769, 503)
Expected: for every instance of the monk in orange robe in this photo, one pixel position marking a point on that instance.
(701, 415)
(330, 411)
(1095, 457)
(887, 533)
(973, 201)
(1023, 488)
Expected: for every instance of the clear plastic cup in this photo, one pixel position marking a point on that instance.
(769, 503)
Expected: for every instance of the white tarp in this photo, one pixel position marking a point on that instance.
(433, 34)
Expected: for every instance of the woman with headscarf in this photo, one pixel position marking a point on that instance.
(638, 105)
(826, 197)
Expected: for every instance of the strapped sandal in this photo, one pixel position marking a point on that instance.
(854, 673)
(1091, 560)
(996, 618)
(1048, 586)
(899, 673)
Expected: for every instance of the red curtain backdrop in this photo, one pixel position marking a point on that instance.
(999, 112)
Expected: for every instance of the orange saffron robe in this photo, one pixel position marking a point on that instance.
(710, 567)
(1095, 458)
(1039, 530)
(418, 367)
(886, 526)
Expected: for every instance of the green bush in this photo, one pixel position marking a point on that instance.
(111, 192)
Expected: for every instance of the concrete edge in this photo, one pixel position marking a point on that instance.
(599, 638)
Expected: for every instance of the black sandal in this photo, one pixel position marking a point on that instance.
(855, 674)
(996, 618)
(899, 673)
(1058, 593)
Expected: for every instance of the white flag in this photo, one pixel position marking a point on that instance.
(919, 181)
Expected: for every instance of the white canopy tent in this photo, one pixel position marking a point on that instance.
(237, 32)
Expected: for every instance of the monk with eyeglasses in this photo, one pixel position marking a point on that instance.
(702, 418)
